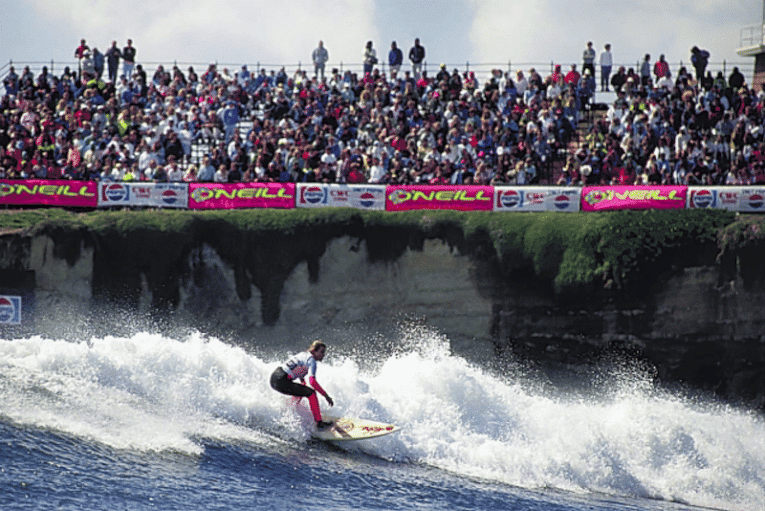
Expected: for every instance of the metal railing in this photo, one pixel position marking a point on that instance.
(482, 69)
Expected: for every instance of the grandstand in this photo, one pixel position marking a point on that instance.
(486, 130)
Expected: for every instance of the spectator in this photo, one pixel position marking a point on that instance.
(320, 57)
(606, 63)
(395, 58)
(660, 68)
(736, 79)
(370, 58)
(645, 70)
(699, 60)
(221, 175)
(588, 59)
(113, 56)
(417, 56)
(98, 63)
(572, 77)
(128, 59)
(79, 53)
(207, 171)
(619, 79)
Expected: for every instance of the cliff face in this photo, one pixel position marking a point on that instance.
(701, 325)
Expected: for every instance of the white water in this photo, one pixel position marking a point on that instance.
(154, 393)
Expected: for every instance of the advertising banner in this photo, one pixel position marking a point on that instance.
(605, 198)
(156, 195)
(733, 198)
(10, 310)
(750, 199)
(49, 192)
(241, 195)
(462, 198)
(316, 195)
(536, 198)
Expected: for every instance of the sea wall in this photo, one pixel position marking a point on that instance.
(694, 312)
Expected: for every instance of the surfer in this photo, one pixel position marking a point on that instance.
(302, 366)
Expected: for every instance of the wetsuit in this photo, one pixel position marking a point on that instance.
(300, 366)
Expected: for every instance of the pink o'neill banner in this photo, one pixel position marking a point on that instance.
(49, 192)
(241, 195)
(606, 198)
(462, 198)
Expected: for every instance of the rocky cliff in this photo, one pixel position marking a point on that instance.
(690, 307)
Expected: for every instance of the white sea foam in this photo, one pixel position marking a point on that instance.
(154, 393)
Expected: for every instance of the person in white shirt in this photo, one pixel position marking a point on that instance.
(174, 172)
(521, 83)
(221, 175)
(376, 171)
(606, 63)
(302, 366)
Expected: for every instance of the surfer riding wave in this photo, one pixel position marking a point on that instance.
(302, 366)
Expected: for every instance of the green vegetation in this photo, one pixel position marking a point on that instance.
(572, 252)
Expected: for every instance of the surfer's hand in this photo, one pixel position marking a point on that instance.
(329, 400)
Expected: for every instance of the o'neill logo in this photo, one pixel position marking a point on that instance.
(10, 310)
(402, 196)
(597, 196)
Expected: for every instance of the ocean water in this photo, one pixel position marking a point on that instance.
(187, 422)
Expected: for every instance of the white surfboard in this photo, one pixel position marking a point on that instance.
(344, 429)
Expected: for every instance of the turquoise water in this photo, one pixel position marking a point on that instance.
(151, 421)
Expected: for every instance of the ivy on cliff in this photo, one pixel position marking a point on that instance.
(570, 252)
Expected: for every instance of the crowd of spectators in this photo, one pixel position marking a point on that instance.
(689, 129)
(345, 128)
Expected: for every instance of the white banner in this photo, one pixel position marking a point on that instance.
(318, 195)
(537, 198)
(155, 195)
(734, 198)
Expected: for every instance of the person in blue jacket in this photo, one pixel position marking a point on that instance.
(395, 59)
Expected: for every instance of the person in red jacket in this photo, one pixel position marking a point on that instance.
(572, 77)
(660, 68)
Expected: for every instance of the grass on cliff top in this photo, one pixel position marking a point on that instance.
(570, 249)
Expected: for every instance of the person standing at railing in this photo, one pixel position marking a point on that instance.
(417, 56)
(370, 58)
(98, 63)
(128, 59)
(320, 57)
(699, 59)
(395, 58)
(79, 54)
(606, 64)
(113, 56)
(588, 59)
